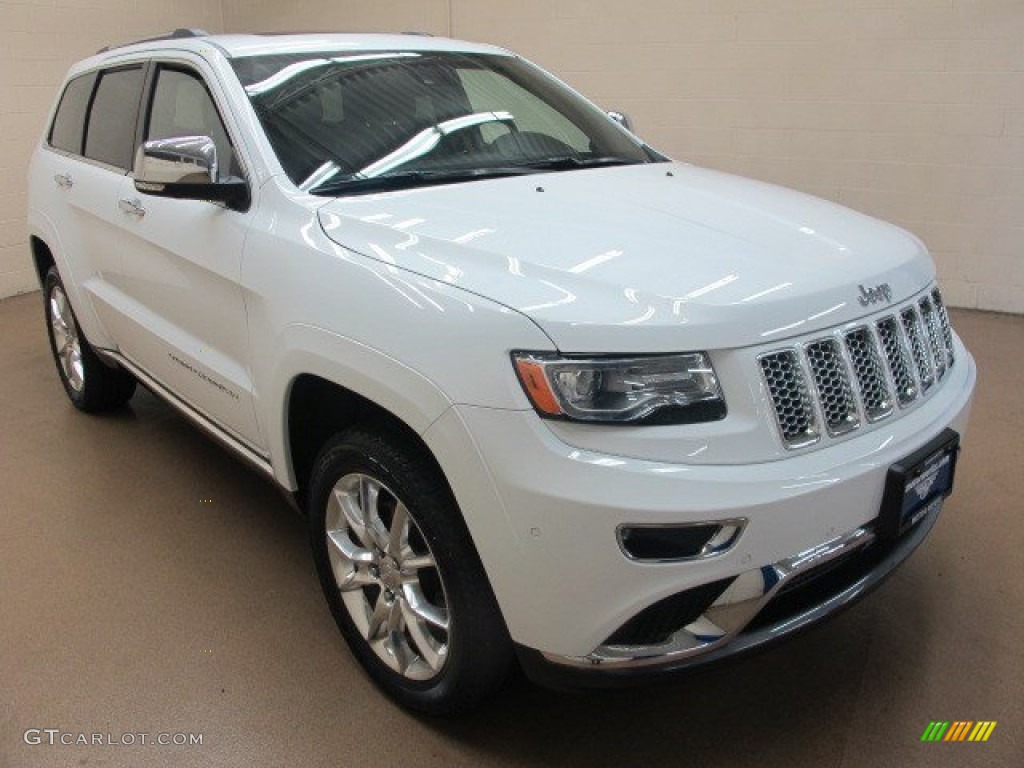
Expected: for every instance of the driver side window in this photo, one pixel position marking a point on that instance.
(182, 106)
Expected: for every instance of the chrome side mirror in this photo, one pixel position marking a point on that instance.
(622, 119)
(186, 167)
(181, 160)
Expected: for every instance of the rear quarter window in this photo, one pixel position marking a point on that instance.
(68, 127)
(110, 134)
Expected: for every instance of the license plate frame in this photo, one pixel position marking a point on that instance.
(918, 484)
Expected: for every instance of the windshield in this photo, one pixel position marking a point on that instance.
(351, 121)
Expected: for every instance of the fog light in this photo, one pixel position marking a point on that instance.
(686, 541)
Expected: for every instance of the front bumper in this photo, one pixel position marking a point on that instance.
(544, 517)
(791, 596)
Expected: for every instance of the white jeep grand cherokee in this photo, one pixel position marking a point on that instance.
(543, 394)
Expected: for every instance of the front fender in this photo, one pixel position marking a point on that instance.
(368, 372)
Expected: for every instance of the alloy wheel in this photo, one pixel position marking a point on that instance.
(66, 343)
(387, 576)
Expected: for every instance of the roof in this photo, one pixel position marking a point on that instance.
(241, 45)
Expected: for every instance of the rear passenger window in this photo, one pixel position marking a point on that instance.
(69, 123)
(110, 135)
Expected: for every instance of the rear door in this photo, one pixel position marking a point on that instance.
(91, 145)
(182, 259)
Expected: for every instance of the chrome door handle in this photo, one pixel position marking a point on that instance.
(133, 207)
(64, 180)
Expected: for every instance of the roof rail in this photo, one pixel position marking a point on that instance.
(179, 33)
(417, 34)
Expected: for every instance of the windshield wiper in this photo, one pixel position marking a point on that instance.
(571, 162)
(409, 179)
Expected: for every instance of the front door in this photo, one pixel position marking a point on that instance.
(181, 263)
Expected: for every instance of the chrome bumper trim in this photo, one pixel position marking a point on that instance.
(719, 632)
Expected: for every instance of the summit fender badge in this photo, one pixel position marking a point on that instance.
(869, 296)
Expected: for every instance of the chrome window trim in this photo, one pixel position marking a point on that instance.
(83, 159)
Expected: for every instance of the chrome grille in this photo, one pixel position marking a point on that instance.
(858, 374)
(898, 360)
(832, 386)
(793, 410)
(915, 333)
(867, 368)
(947, 330)
(935, 343)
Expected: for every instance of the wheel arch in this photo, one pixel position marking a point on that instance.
(42, 257)
(327, 383)
(318, 408)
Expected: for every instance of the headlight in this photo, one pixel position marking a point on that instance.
(662, 389)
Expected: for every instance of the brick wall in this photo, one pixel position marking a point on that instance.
(911, 110)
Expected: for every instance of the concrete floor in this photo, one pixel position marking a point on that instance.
(128, 604)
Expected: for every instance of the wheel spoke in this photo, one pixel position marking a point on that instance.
(56, 313)
(58, 326)
(434, 657)
(355, 517)
(398, 535)
(343, 546)
(75, 371)
(377, 629)
(369, 502)
(422, 608)
(414, 562)
(358, 577)
(369, 492)
(397, 645)
(350, 563)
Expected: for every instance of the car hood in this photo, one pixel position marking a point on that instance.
(644, 258)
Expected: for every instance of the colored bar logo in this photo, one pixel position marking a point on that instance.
(958, 730)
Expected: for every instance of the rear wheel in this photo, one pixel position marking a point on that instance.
(91, 384)
(401, 575)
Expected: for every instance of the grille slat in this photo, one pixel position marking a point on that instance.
(915, 332)
(793, 410)
(898, 360)
(947, 329)
(842, 378)
(867, 367)
(934, 332)
(832, 385)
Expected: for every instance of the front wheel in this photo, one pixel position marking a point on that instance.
(91, 384)
(401, 574)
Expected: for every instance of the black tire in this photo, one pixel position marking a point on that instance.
(92, 386)
(479, 651)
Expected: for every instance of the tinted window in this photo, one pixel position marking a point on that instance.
(69, 122)
(183, 107)
(110, 137)
(344, 117)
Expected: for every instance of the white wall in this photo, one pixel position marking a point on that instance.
(39, 40)
(912, 110)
